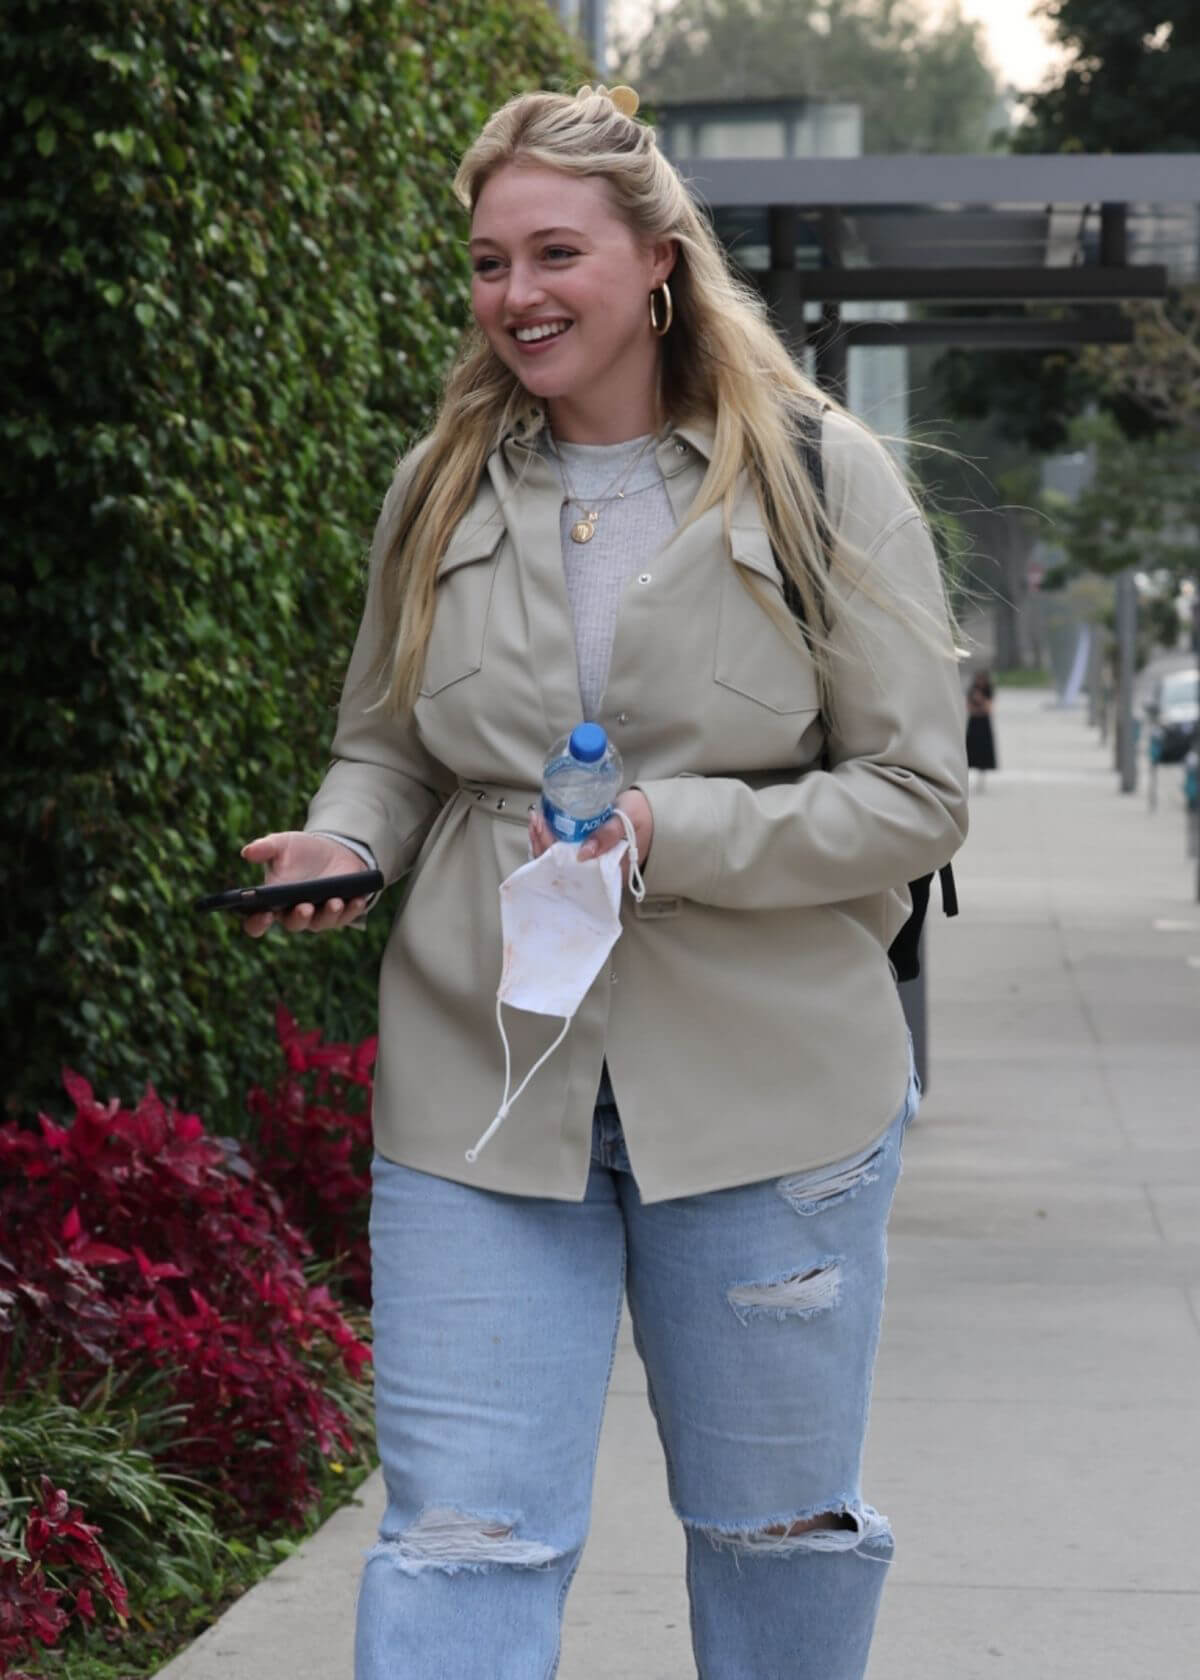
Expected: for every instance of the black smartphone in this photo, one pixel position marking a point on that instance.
(285, 895)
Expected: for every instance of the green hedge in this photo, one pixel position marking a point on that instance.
(232, 272)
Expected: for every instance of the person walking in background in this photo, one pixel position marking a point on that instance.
(981, 739)
(598, 526)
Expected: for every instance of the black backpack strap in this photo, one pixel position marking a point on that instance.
(810, 425)
(949, 890)
(904, 953)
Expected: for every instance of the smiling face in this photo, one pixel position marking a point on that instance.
(561, 289)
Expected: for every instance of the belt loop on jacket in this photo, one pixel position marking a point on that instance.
(500, 799)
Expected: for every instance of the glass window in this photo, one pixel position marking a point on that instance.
(754, 139)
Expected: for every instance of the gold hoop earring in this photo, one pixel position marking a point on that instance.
(668, 311)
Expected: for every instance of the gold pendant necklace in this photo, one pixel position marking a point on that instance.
(584, 529)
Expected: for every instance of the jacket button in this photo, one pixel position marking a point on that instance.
(680, 447)
(622, 717)
(643, 577)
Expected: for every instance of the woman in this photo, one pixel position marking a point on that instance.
(596, 527)
(981, 739)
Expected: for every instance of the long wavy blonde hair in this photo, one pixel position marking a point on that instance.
(722, 364)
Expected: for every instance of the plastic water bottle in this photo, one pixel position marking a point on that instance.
(581, 777)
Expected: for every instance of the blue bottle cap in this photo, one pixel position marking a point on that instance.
(588, 743)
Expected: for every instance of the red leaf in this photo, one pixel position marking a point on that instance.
(98, 1254)
(77, 1088)
(152, 1270)
(56, 1137)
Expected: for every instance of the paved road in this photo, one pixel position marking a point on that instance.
(1036, 1429)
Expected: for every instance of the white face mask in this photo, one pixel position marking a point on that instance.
(560, 919)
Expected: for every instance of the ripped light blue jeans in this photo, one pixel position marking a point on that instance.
(756, 1313)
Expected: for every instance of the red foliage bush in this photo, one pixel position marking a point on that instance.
(35, 1609)
(312, 1144)
(142, 1238)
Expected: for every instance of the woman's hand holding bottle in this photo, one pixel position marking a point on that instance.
(636, 807)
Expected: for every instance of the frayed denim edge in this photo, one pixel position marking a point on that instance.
(452, 1542)
(872, 1536)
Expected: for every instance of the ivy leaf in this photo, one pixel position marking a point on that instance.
(178, 665)
(47, 140)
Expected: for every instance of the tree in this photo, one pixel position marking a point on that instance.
(1141, 510)
(922, 79)
(1128, 85)
(1160, 370)
(1130, 82)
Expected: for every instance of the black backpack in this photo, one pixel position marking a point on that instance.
(904, 953)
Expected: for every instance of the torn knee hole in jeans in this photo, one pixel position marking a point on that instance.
(839, 1528)
(813, 1192)
(449, 1540)
(796, 1295)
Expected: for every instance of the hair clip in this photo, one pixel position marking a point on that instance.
(624, 98)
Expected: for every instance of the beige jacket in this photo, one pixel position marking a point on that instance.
(748, 1012)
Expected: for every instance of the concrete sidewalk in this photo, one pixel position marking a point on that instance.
(1036, 1429)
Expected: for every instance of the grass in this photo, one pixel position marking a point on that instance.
(151, 1640)
(181, 1566)
(1022, 677)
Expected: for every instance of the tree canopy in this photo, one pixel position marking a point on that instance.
(1141, 509)
(1160, 371)
(1130, 82)
(921, 77)
(1128, 85)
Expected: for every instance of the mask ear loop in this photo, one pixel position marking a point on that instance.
(503, 1111)
(638, 888)
(636, 885)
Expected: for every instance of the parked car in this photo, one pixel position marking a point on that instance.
(1175, 712)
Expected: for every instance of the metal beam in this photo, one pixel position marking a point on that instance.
(1114, 235)
(969, 285)
(1126, 618)
(778, 285)
(1056, 178)
(832, 367)
(967, 334)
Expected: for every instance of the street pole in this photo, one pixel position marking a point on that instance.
(912, 1000)
(1126, 662)
(1095, 676)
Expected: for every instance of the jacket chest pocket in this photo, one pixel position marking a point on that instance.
(462, 604)
(754, 657)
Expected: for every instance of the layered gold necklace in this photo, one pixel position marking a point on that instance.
(584, 529)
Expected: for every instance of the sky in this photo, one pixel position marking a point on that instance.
(1019, 42)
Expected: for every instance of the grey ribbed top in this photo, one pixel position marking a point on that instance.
(628, 534)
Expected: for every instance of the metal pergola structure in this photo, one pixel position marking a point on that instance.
(1076, 234)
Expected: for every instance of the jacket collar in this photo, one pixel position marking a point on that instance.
(677, 448)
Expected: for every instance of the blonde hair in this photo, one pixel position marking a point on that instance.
(721, 364)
